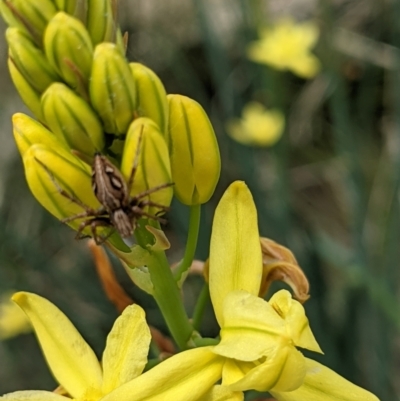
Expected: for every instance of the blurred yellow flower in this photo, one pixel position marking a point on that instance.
(287, 45)
(258, 126)
(12, 320)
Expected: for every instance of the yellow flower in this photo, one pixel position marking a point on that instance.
(258, 126)
(259, 339)
(119, 377)
(287, 46)
(12, 321)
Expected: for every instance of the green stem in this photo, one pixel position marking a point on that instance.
(165, 289)
(166, 292)
(201, 304)
(169, 300)
(191, 243)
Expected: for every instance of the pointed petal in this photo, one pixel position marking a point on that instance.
(296, 321)
(235, 251)
(70, 358)
(284, 370)
(183, 377)
(222, 393)
(233, 371)
(127, 347)
(35, 395)
(323, 384)
(252, 328)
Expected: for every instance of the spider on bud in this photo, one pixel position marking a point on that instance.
(119, 210)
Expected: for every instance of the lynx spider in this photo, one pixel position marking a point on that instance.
(119, 210)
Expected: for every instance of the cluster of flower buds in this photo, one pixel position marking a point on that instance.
(67, 61)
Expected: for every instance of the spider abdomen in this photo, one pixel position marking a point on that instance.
(122, 222)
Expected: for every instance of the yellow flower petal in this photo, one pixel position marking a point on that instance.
(125, 355)
(12, 320)
(235, 251)
(258, 126)
(284, 370)
(252, 328)
(222, 393)
(287, 45)
(297, 323)
(233, 371)
(35, 395)
(184, 377)
(323, 384)
(306, 66)
(70, 358)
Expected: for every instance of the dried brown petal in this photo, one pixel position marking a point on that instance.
(114, 291)
(279, 264)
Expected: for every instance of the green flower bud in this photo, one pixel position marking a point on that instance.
(153, 164)
(72, 119)
(76, 8)
(28, 132)
(28, 94)
(112, 89)
(30, 60)
(46, 169)
(101, 22)
(67, 6)
(151, 97)
(193, 148)
(69, 50)
(31, 16)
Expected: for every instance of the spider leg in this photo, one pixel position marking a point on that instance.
(149, 202)
(98, 238)
(61, 191)
(138, 211)
(151, 190)
(135, 161)
(94, 224)
(87, 213)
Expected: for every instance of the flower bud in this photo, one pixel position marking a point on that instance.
(153, 165)
(101, 22)
(193, 148)
(28, 94)
(28, 132)
(69, 50)
(30, 60)
(112, 89)
(30, 16)
(151, 97)
(68, 6)
(48, 169)
(72, 119)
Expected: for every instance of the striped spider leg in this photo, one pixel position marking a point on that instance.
(94, 217)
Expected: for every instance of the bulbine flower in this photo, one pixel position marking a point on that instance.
(119, 377)
(287, 46)
(258, 126)
(259, 339)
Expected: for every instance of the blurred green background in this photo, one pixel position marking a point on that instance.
(329, 189)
